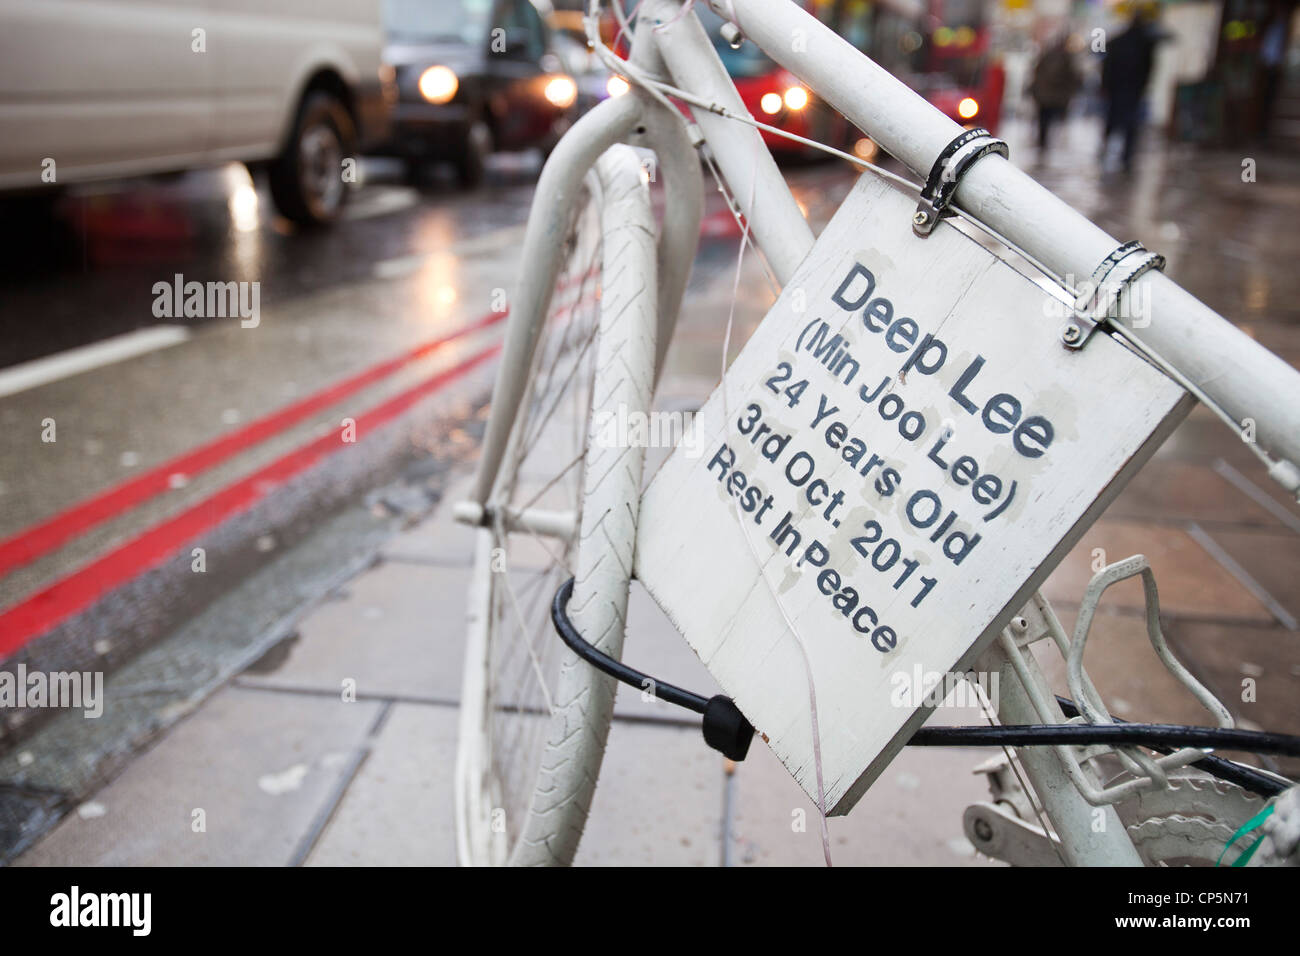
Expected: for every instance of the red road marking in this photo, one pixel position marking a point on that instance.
(39, 539)
(82, 588)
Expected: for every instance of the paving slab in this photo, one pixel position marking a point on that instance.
(1272, 559)
(658, 802)
(1187, 491)
(437, 539)
(653, 646)
(1189, 580)
(1204, 438)
(397, 631)
(260, 766)
(911, 816)
(399, 809)
(1254, 670)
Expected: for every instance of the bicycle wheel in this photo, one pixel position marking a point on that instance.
(535, 718)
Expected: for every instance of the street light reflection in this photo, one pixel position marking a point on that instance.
(440, 276)
(243, 202)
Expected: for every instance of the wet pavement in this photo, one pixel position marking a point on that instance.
(350, 568)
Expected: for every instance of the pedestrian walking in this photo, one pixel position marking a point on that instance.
(1124, 75)
(1056, 79)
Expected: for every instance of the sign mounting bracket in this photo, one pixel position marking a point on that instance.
(1099, 298)
(945, 175)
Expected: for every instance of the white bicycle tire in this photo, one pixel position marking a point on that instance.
(581, 699)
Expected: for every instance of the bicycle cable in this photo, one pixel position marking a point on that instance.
(726, 727)
(1264, 783)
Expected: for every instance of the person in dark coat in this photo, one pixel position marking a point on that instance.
(1124, 75)
(1056, 80)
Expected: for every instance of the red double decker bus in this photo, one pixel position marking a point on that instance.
(954, 68)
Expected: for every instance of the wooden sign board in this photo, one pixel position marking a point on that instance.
(908, 449)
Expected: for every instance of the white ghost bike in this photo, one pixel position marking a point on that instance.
(591, 318)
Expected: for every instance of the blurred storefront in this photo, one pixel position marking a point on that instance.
(1251, 92)
(1226, 72)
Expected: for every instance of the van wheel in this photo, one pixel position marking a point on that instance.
(471, 164)
(307, 177)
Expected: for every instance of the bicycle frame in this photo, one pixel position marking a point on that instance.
(1244, 378)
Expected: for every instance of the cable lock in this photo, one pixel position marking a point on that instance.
(728, 731)
(725, 727)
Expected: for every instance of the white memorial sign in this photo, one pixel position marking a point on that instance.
(909, 450)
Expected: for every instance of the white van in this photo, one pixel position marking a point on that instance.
(101, 89)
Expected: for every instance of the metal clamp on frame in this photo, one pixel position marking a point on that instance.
(1098, 302)
(946, 173)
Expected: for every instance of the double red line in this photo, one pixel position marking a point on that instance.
(67, 596)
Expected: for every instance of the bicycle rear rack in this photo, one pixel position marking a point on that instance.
(1038, 621)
